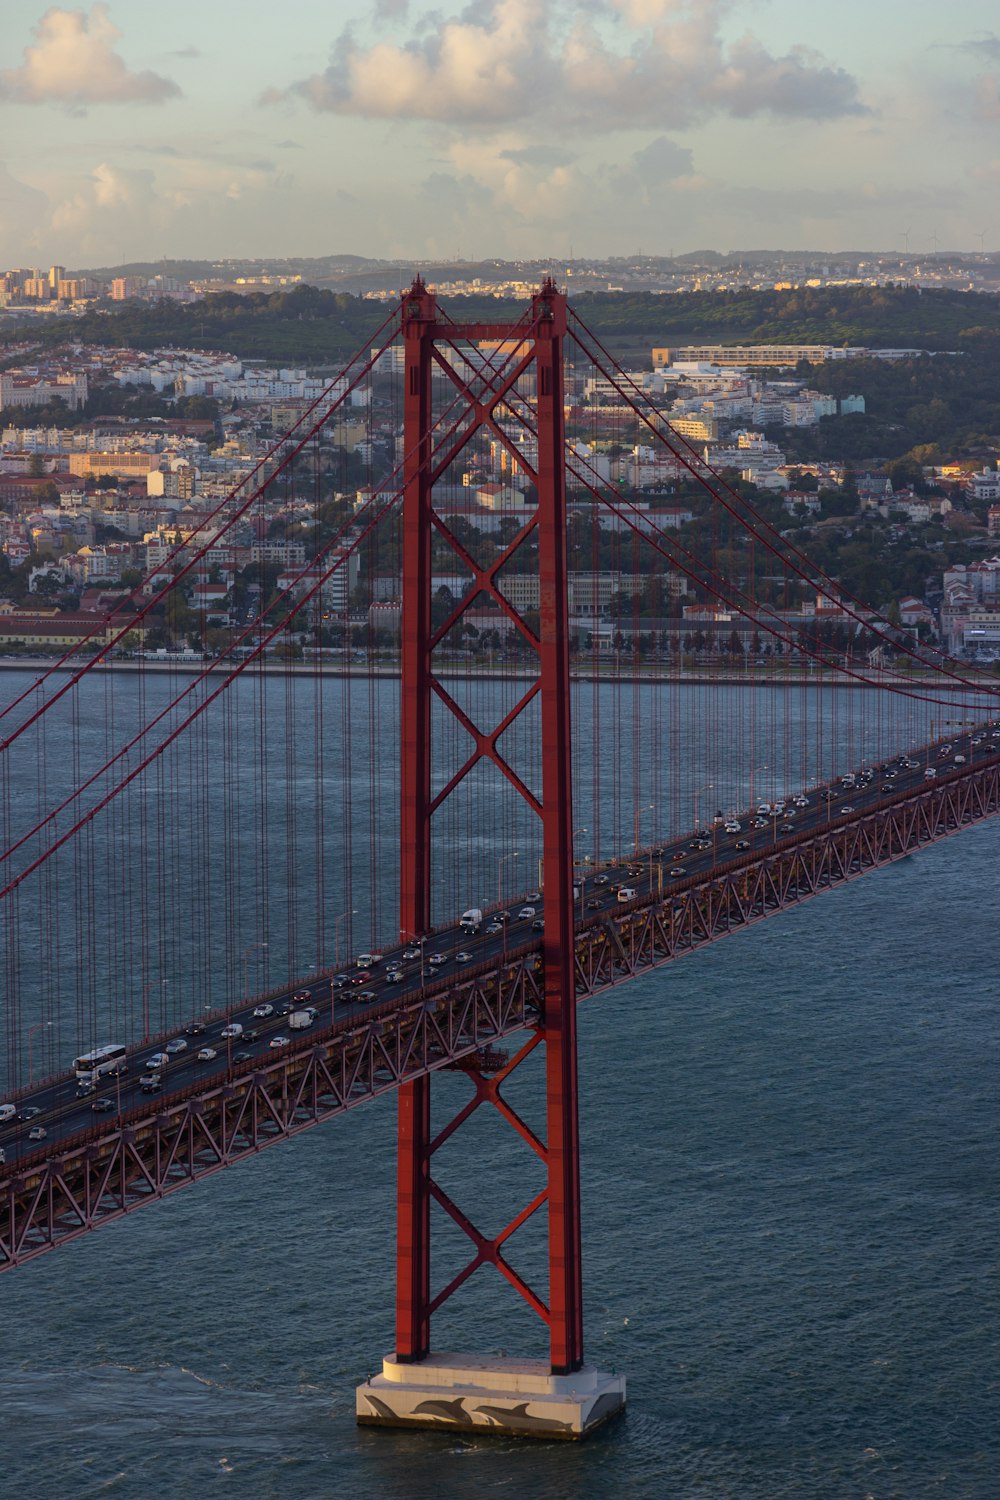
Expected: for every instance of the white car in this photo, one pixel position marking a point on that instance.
(437, 959)
(206, 1054)
(7, 1112)
(177, 1045)
(263, 1010)
(278, 1041)
(526, 912)
(157, 1061)
(733, 827)
(37, 1133)
(464, 957)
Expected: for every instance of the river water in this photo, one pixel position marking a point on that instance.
(791, 1219)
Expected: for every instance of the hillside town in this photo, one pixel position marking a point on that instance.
(33, 290)
(97, 508)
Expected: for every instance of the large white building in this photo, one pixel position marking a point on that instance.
(18, 390)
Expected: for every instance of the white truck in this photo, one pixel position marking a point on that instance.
(299, 1019)
(471, 920)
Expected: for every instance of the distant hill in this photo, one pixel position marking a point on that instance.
(306, 325)
(949, 404)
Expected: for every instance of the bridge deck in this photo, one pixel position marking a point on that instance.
(99, 1171)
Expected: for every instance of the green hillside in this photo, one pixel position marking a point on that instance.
(309, 326)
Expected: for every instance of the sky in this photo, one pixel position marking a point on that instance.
(197, 129)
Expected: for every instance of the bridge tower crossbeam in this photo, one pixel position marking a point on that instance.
(562, 1397)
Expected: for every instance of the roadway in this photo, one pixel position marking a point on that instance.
(62, 1111)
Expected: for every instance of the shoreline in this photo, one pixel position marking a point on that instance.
(826, 678)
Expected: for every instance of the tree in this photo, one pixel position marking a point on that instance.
(906, 473)
(837, 502)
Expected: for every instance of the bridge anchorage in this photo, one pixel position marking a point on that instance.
(563, 1397)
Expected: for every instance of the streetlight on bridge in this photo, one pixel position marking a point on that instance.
(705, 787)
(351, 912)
(419, 942)
(246, 965)
(753, 773)
(515, 854)
(145, 1006)
(246, 995)
(38, 1026)
(584, 861)
(649, 807)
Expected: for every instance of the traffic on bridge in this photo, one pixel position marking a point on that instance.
(209, 1047)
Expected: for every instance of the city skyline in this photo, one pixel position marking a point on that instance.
(508, 128)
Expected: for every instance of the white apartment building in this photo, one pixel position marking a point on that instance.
(287, 554)
(753, 354)
(334, 592)
(589, 594)
(751, 451)
(984, 486)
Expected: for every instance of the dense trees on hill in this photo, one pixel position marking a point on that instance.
(885, 317)
(307, 325)
(948, 402)
(945, 404)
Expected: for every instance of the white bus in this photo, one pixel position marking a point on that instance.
(92, 1065)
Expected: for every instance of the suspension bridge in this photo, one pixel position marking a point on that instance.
(492, 724)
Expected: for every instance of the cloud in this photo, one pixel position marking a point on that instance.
(109, 191)
(141, 148)
(115, 212)
(464, 71)
(662, 161)
(986, 44)
(796, 86)
(73, 62)
(23, 211)
(539, 156)
(508, 61)
(987, 97)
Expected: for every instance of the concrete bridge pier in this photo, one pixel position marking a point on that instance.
(472, 1393)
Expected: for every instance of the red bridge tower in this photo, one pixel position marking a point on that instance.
(561, 1397)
